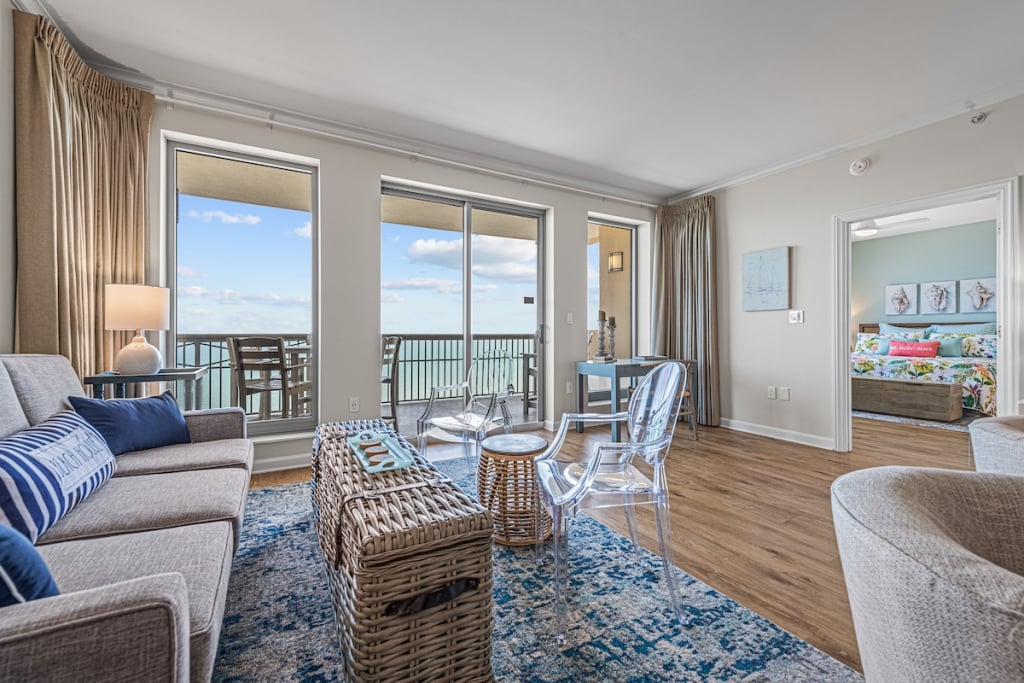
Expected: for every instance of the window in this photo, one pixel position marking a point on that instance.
(242, 250)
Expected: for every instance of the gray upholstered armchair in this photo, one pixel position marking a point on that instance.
(933, 562)
(998, 444)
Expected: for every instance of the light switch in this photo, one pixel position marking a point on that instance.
(796, 317)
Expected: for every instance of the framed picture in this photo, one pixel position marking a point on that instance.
(766, 280)
(978, 295)
(901, 299)
(938, 297)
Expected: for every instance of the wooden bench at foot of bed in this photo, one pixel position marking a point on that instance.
(908, 398)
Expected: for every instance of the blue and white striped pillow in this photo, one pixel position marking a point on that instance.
(47, 469)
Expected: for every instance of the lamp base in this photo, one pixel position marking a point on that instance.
(138, 358)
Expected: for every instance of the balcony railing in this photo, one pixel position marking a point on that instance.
(424, 361)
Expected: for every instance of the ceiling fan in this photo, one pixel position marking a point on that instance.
(871, 227)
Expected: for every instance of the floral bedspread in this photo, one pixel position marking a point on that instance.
(977, 375)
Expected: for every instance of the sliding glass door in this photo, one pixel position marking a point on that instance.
(460, 281)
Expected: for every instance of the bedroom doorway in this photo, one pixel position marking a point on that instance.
(906, 273)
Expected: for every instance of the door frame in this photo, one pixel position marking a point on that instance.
(1008, 282)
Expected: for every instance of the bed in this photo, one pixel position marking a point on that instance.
(974, 370)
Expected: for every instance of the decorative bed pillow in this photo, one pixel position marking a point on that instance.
(871, 344)
(980, 346)
(964, 328)
(949, 346)
(47, 469)
(23, 574)
(896, 332)
(918, 349)
(135, 424)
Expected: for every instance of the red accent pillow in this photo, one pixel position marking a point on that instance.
(919, 349)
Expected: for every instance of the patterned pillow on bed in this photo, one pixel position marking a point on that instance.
(887, 331)
(980, 346)
(871, 344)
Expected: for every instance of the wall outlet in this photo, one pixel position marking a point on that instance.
(568, 387)
(353, 404)
(783, 393)
(569, 319)
(771, 391)
(796, 317)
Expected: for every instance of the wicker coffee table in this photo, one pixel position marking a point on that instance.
(507, 486)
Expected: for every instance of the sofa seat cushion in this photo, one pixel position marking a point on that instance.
(201, 553)
(156, 501)
(180, 458)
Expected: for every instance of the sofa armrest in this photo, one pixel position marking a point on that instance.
(218, 423)
(135, 630)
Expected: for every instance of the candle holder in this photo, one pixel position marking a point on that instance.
(600, 338)
(611, 341)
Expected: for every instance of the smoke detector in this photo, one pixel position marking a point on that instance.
(860, 166)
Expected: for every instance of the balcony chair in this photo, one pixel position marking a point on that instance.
(608, 477)
(934, 568)
(260, 367)
(389, 374)
(483, 400)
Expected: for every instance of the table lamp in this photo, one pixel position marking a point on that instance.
(139, 308)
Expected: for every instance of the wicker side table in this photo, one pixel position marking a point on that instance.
(507, 486)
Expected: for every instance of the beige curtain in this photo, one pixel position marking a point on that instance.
(685, 311)
(81, 147)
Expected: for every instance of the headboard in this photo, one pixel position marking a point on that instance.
(872, 328)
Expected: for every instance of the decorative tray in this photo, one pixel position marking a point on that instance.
(396, 457)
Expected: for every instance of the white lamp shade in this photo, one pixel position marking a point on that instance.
(137, 307)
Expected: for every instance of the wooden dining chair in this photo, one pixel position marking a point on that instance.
(260, 367)
(389, 374)
(688, 405)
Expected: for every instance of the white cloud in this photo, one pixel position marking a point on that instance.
(303, 231)
(391, 298)
(438, 285)
(445, 253)
(484, 288)
(488, 249)
(234, 297)
(226, 218)
(187, 271)
(507, 272)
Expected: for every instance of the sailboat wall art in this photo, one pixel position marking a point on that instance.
(766, 280)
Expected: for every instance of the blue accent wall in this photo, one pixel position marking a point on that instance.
(957, 253)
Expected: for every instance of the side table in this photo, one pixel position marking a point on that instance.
(192, 377)
(507, 486)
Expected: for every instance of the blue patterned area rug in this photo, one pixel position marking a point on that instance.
(278, 624)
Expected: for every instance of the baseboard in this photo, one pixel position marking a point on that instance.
(781, 434)
(276, 463)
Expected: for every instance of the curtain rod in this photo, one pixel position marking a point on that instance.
(272, 120)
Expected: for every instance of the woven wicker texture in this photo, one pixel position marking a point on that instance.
(408, 556)
(508, 488)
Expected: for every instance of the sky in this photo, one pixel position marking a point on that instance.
(247, 268)
(421, 282)
(242, 268)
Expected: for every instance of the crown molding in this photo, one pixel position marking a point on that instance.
(980, 102)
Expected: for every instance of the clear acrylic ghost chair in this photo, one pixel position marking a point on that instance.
(481, 402)
(608, 477)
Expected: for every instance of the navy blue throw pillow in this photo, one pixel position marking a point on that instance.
(135, 424)
(23, 574)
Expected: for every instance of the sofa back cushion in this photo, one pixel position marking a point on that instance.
(12, 417)
(49, 468)
(43, 383)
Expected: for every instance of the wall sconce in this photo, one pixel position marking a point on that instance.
(614, 261)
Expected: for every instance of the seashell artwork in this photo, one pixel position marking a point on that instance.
(938, 297)
(901, 299)
(977, 294)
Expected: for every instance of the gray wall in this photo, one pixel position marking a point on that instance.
(956, 253)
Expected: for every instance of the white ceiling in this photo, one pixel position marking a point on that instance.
(648, 100)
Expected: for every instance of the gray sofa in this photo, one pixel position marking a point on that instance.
(143, 563)
(934, 566)
(998, 444)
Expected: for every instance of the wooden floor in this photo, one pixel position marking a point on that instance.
(751, 516)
